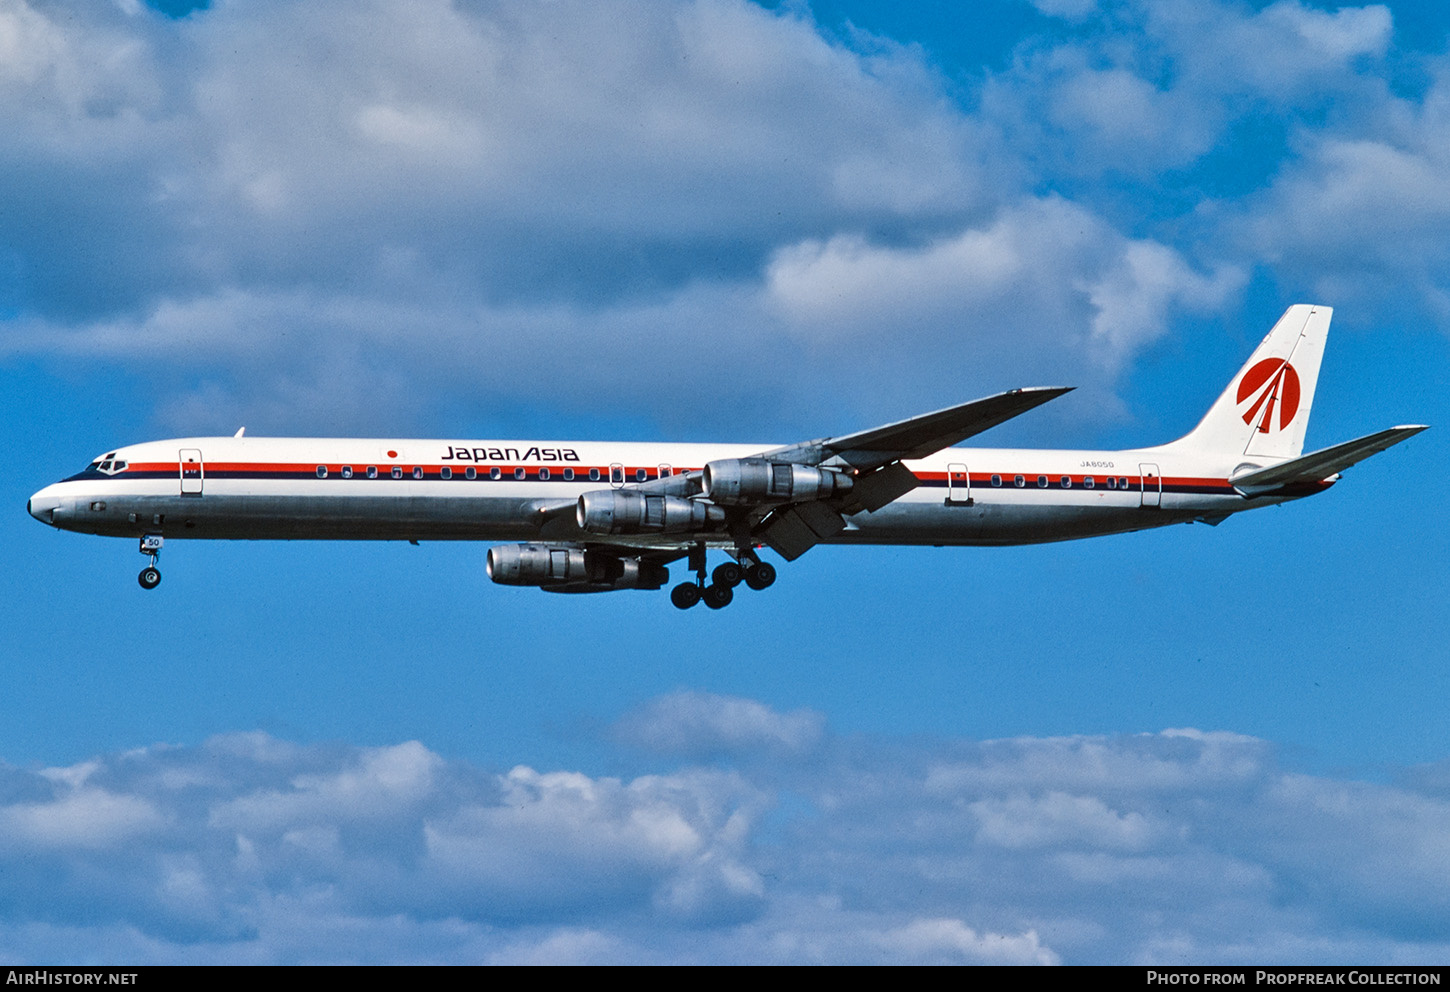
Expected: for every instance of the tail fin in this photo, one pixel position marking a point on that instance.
(1264, 412)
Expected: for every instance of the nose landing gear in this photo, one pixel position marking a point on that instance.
(150, 576)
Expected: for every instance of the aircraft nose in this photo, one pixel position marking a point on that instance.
(41, 505)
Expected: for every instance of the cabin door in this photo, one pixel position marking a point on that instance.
(959, 486)
(192, 471)
(1152, 485)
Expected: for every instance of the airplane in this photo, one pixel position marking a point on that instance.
(586, 516)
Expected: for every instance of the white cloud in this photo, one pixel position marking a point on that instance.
(289, 215)
(29, 45)
(1359, 212)
(1164, 85)
(1045, 278)
(926, 939)
(1343, 34)
(1172, 759)
(560, 841)
(1281, 53)
(1073, 10)
(384, 782)
(323, 207)
(85, 817)
(563, 947)
(1133, 300)
(1172, 846)
(1363, 220)
(702, 724)
(1057, 819)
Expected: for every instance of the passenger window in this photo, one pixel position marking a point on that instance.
(372, 471)
(418, 472)
(996, 480)
(519, 473)
(397, 472)
(1112, 482)
(1067, 482)
(640, 475)
(616, 473)
(1087, 482)
(470, 472)
(1018, 481)
(568, 475)
(495, 473)
(1042, 482)
(322, 471)
(543, 475)
(594, 475)
(347, 471)
(446, 472)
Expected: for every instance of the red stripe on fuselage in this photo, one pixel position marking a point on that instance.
(581, 473)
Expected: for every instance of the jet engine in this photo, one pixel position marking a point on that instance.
(736, 481)
(570, 569)
(614, 511)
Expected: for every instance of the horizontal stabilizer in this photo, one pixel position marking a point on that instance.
(1320, 465)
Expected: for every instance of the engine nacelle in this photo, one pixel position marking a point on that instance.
(754, 480)
(536, 565)
(620, 511)
(570, 569)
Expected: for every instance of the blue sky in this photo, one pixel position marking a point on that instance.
(724, 221)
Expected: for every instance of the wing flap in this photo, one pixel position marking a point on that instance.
(792, 531)
(876, 489)
(1320, 465)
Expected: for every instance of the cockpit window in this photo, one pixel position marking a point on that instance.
(107, 463)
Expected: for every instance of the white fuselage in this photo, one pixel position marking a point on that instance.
(324, 488)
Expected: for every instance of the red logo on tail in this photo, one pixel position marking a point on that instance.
(1271, 384)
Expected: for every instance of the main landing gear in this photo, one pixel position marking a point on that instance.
(150, 576)
(747, 567)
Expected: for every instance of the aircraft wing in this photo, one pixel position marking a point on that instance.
(917, 437)
(874, 459)
(866, 451)
(1320, 465)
